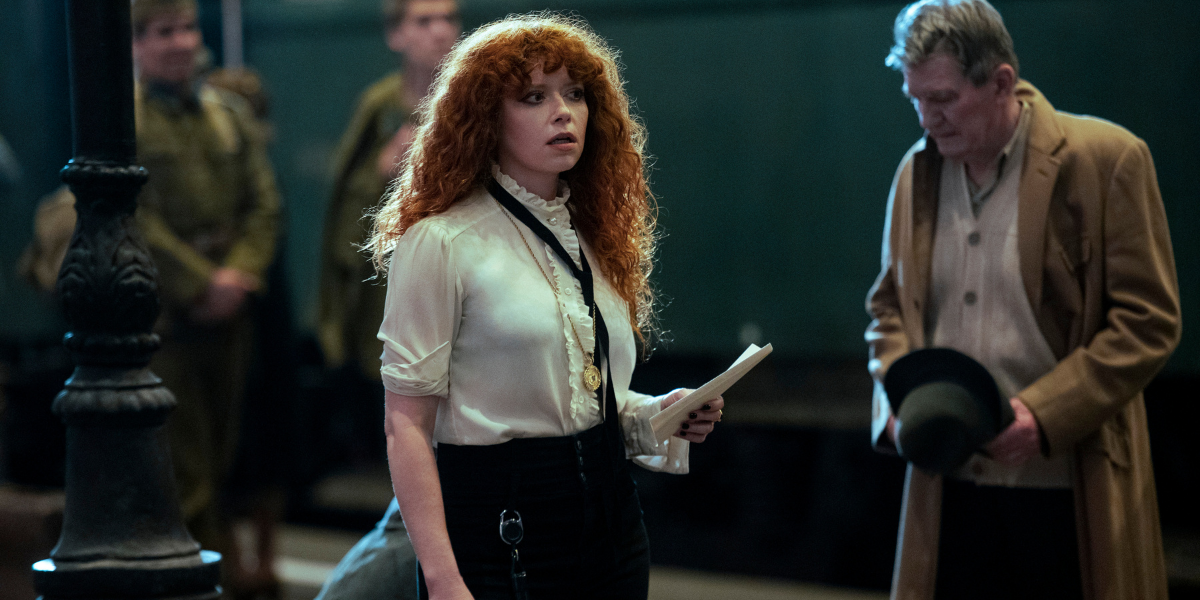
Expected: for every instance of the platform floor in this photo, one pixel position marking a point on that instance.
(308, 554)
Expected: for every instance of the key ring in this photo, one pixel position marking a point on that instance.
(512, 530)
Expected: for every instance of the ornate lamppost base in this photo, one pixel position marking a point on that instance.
(123, 535)
(181, 578)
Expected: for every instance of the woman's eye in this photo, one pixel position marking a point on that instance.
(575, 94)
(533, 97)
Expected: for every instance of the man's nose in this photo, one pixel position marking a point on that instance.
(927, 117)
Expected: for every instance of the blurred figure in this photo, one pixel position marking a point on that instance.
(209, 213)
(10, 169)
(247, 83)
(351, 308)
(53, 226)
(382, 564)
(253, 496)
(1036, 242)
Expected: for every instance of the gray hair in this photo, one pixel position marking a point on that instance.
(969, 30)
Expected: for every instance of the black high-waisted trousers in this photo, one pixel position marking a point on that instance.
(584, 536)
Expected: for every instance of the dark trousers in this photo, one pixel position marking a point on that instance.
(584, 536)
(205, 367)
(999, 542)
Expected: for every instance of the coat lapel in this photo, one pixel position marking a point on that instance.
(927, 170)
(1038, 176)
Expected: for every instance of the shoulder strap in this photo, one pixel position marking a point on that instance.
(583, 274)
(518, 210)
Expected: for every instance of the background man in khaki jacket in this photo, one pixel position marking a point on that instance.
(209, 213)
(1036, 242)
(350, 307)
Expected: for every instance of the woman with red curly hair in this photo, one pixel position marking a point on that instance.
(517, 242)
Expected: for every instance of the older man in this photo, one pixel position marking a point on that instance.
(1036, 242)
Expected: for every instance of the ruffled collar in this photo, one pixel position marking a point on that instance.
(540, 207)
(577, 322)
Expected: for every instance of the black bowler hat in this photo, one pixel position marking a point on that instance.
(947, 406)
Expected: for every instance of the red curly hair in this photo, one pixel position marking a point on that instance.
(458, 135)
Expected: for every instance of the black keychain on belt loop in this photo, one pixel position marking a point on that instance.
(512, 531)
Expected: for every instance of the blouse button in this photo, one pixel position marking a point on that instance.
(554, 220)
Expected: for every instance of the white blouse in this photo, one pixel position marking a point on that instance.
(470, 318)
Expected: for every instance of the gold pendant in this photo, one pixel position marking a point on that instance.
(591, 378)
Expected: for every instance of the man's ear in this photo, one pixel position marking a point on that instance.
(1005, 78)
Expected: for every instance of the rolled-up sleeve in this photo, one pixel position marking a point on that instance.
(421, 313)
(670, 456)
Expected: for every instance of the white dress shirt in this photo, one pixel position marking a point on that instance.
(471, 319)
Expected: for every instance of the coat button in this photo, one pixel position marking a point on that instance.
(970, 298)
(973, 239)
(977, 469)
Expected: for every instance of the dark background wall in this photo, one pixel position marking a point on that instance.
(775, 126)
(35, 120)
(776, 130)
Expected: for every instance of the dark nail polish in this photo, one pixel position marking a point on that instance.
(691, 415)
(684, 426)
(706, 407)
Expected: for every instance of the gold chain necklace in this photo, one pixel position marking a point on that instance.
(591, 374)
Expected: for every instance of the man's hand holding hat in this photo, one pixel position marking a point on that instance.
(1018, 442)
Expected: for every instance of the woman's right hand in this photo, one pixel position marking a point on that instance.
(408, 425)
(451, 590)
(698, 424)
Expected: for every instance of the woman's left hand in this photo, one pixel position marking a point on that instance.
(700, 422)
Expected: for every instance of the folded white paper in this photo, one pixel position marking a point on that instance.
(666, 423)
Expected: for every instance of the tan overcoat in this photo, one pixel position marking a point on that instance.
(1098, 269)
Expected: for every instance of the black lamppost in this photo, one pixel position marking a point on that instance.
(123, 534)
